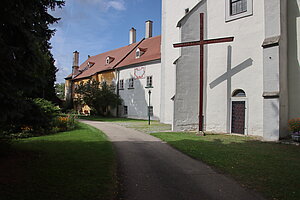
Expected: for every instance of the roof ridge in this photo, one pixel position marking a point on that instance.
(128, 54)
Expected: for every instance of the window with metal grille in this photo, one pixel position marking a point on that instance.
(236, 9)
(238, 6)
(131, 81)
(149, 81)
(121, 84)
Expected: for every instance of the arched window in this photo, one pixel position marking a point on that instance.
(239, 93)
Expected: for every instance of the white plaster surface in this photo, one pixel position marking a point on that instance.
(294, 57)
(186, 102)
(242, 64)
(228, 66)
(172, 12)
(137, 99)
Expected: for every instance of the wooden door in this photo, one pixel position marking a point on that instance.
(238, 117)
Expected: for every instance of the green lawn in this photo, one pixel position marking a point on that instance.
(75, 165)
(270, 168)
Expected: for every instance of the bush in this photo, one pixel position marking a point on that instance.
(37, 119)
(64, 123)
(294, 125)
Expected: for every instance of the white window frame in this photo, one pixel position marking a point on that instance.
(131, 83)
(229, 17)
(107, 60)
(121, 84)
(138, 53)
(149, 84)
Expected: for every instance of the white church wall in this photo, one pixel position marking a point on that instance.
(186, 101)
(172, 12)
(294, 57)
(136, 98)
(275, 70)
(234, 65)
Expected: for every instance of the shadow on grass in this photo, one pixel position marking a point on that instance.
(57, 167)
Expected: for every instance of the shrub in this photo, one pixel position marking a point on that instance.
(64, 123)
(294, 125)
(38, 118)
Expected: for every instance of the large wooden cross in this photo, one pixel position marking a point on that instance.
(201, 43)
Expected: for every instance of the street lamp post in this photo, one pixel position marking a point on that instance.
(149, 92)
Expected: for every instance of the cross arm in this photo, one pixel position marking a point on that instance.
(186, 44)
(218, 40)
(203, 42)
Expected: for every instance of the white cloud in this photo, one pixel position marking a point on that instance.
(117, 5)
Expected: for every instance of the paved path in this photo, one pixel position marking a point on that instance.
(152, 170)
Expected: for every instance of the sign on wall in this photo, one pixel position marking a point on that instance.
(139, 72)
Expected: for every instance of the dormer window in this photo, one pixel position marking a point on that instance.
(109, 60)
(139, 52)
(90, 64)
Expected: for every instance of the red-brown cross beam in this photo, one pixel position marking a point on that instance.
(201, 43)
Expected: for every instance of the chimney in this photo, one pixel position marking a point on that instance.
(132, 36)
(148, 33)
(75, 67)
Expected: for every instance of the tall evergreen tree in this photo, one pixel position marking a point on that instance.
(26, 64)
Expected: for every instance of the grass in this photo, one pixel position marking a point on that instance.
(78, 164)
(137, 124)
(270, 168)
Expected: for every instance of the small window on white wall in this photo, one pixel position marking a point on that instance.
(236, 9)
(121, 84)
(149, 81)
(150, 110)
(131, 81)
(125, 110)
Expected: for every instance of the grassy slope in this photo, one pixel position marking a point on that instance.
(270, 168)
(78, 164)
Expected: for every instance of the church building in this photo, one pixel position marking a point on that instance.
(249, 51)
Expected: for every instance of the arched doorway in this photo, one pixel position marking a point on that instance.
(238, 112)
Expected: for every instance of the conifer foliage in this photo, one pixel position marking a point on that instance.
(27, 66)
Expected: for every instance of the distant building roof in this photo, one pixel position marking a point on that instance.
(123, 56)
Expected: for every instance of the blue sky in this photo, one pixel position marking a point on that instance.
(95, 26)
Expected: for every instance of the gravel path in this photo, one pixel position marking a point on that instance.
(152, 170)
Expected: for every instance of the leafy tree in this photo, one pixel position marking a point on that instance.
(27, 65)
(98, 96)
(60, 90)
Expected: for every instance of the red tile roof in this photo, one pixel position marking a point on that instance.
(152, 52)
(123, 56)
